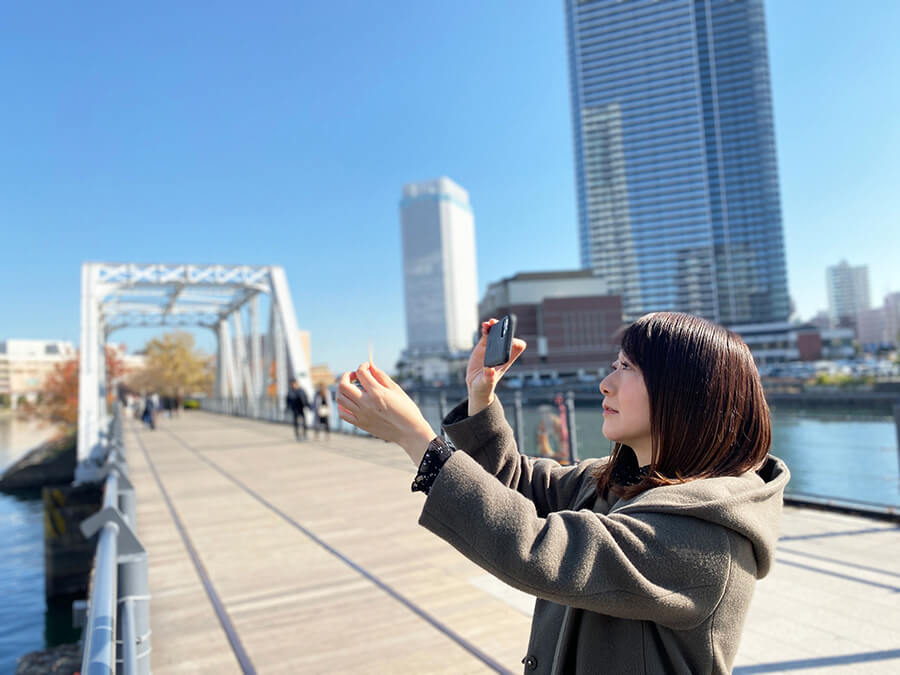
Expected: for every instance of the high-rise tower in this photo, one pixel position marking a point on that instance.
(677, 181)
(439, 272)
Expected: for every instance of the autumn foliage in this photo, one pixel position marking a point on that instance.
(172, 365)
(59, 403)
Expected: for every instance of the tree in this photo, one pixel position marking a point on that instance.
(173, 364)
(59, 403)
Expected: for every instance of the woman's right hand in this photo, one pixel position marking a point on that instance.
(481, 381)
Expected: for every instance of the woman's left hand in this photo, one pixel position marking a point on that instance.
(383, 409)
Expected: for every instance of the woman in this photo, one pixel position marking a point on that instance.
(322, 406)
(644, 561)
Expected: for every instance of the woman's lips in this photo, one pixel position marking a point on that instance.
(609, 411)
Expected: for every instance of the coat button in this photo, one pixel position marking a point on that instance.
(530, 662)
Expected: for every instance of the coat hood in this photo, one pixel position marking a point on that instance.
(749, 504)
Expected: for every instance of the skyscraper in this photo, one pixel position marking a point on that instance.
(848, 291)
(439, 272)
(677, 182)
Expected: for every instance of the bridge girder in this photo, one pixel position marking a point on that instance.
(121, 295)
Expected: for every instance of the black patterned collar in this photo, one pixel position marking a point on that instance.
(626, 471)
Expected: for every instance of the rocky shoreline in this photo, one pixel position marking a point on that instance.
(52, 462)
(60, 660)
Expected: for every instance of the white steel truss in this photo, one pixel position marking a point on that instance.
(116, 296)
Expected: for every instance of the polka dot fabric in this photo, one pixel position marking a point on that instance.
(436, 454)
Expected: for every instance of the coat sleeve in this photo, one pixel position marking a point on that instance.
(488, 439)
(666, 568)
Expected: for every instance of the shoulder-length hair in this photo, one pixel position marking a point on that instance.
(708, 415)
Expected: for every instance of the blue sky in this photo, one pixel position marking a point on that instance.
(282, 133)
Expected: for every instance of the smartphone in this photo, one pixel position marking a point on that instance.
(499, 341)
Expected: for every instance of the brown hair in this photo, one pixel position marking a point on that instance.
(708, 415)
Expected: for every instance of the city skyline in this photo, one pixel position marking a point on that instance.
(131, 137)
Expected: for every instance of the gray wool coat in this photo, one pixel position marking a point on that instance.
(660, 583)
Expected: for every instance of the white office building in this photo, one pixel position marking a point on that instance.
(848, 290)
(439, 269)
(25, 365)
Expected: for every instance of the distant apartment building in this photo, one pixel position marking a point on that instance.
(676, 171)
(131, 363)
(892, 318)
(848, 291)
(871, 330)
(784, 342)
(568, 319)
(439, 269)
(821, 320)
(25, 365)
(879, 327)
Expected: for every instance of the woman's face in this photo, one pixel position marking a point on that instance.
(626, 407)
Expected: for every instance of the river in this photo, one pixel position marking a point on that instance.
(26, 623)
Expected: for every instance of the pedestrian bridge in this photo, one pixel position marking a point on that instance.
(272, 556)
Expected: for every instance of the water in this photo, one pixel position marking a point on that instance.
(26, 624)
(842, 455)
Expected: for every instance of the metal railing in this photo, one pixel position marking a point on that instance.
(435, 405)
(117, 629)
(531, 413)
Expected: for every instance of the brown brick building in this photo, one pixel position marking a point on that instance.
(567, 318)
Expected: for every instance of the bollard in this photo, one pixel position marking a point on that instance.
(573, 437)
(133, 589)
(519, 430)
(442, 412)
(128, 506)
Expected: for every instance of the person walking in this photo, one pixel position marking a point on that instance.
(322, 406)
(644, 561)
(297, 402)
(148, 417)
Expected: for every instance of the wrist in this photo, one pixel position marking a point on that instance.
(417, 442)
(478, 403)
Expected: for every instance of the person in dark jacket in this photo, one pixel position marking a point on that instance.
(149, 415)
(296, 403)
(641, 562)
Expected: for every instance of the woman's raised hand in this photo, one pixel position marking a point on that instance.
(481, 381)
(383, 409)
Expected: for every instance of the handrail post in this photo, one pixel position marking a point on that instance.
(129, 638)
(442, 412)
(570, 419)
(519, 430)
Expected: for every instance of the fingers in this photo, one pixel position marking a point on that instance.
(346, 415)
(366, 379)
(486, 326)
(382, 377)
(352, 406)
(518, 346)
(347, 388)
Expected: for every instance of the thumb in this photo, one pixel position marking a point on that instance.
(518, 346)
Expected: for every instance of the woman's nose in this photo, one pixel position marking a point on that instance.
(604, 386)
